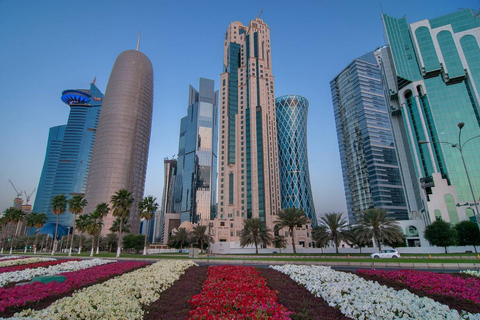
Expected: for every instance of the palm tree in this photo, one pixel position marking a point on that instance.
(121, 202)
(94, 226)
(17, 216)
(29, 223)
(102, 211)
(320, 236)
(279, 242)
(75, 206)
(336, 227)
(6, 219)
(181, 237)
(355, 238)
(40, 220)
(81, 225)
(290, 218)
(59, 205)
(199, 235)
(254, 232)
(147, 207)
(378, 224)
(116, 225)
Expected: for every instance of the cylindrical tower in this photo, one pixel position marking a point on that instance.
(119, 159)
(296, 192)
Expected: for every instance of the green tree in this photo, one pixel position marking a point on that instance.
(75, 206)
(147, 207)
(180, 238)
(199, 235)
(94, 226)
(356, 239)
(255, 232)
(468, 234)
(291, 218)
(122, 201)
(40, 220)
(111, 240)
(441, 234)
(6, 219)
(81, 225)
(101, 211)
(279, 242)
(320, 236)
(133, 241)
(335, 229)
(59, 205)
(378, 224)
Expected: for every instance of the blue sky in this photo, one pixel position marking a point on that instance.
(53, 45)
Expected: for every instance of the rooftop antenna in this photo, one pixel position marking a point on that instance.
(138, 40)
(260, 14)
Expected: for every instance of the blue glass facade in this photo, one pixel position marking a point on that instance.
(433, 85)
(295, 188)
(69, 152)
(196, 179)
(371, 173)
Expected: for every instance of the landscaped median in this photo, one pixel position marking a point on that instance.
(119, 298)
(362, 299)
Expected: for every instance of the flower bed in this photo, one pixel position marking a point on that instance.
(173, 303)
(34, 265)
(14, 262)
(452, 302)
(298, 299)
(60, 266)
(236, 292)
(430, 282)
(362, 299)
(37, 291)
(10, 258)
(118, 298)
(474, 273)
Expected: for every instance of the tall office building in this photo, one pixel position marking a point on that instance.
(248, 165)
(69, 151)
(196, 185)
(371, 173)
(167, 205)
(119, 159)
(296, 191)
(432, 69)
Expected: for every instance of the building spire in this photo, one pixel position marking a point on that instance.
(260, 14)
(94, 79)
(138, 40)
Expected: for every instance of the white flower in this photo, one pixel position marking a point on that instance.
(475, 273)
(362, 299)
(17, 262)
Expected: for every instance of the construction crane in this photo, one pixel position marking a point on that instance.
(19, 194)
(30, 195)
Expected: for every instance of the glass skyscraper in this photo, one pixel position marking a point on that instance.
(432, 69)
(371, 172)
(196, 178)
(69, 151)
(295, 188)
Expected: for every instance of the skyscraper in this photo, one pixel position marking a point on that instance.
(196, 185)
(432, 69)
(248, 165)
(169, 177)
(371, 172)
(69, 151)
(292, 113)
(119, 159)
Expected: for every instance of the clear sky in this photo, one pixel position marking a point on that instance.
(52, 45)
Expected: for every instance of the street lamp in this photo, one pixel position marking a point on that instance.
(459, 146)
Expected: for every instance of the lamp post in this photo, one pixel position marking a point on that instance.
(459, 146)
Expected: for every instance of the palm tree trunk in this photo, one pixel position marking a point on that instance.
(71, 241)
(292, 230)
(80, 244)
(26, 243)
(93, 245)
(119, 247)
(379, 245)
(14, 237)
(146, 235)
(201, 245)
(256, 247)
(35, 244)
(55, 238)
(446, 250)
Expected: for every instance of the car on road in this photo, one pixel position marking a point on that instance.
(386, 253)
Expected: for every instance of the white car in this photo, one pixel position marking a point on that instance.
(386, 253)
